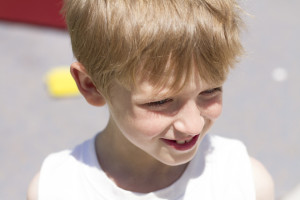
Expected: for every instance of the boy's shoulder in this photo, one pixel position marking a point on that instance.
(235, 154)
(79, 154)
(52, 164)
(64, 170)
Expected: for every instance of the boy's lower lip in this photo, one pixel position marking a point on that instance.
(182, 147)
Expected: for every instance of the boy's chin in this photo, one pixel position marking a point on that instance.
(177, 160)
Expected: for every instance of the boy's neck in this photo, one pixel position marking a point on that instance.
(133, 169)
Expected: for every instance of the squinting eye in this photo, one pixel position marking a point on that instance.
(212, 91)
(158, 103)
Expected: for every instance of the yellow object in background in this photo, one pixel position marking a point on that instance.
(60, 82)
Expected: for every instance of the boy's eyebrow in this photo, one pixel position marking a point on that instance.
(151, 97)
(167, 94)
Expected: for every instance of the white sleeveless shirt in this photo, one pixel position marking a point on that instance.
(221, 169)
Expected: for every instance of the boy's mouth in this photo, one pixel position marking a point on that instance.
(182, 145)
(183, 141)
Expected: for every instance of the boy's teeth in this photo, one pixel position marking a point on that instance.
(183, 141)
(189, 140)
(180, 141)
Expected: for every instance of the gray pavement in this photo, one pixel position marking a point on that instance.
(261, 99)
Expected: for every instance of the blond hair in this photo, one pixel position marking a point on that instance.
(152, 39)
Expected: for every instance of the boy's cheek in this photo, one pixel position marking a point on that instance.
(150, 127)
(213, 111)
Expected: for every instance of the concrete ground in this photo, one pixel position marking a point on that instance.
(261, 99)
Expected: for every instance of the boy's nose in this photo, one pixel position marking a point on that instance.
(189, 119)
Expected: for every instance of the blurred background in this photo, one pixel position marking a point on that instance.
(261, 98)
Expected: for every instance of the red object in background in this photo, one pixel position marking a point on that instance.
(41, 12)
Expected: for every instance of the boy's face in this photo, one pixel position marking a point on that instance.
(168, 128)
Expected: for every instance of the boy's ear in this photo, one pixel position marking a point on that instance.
(86, 85)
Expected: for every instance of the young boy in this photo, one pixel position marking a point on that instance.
(160, 66)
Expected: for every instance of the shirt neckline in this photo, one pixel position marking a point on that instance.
(109, 188)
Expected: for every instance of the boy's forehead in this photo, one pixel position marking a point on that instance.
(171, 82)
(145, 90)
